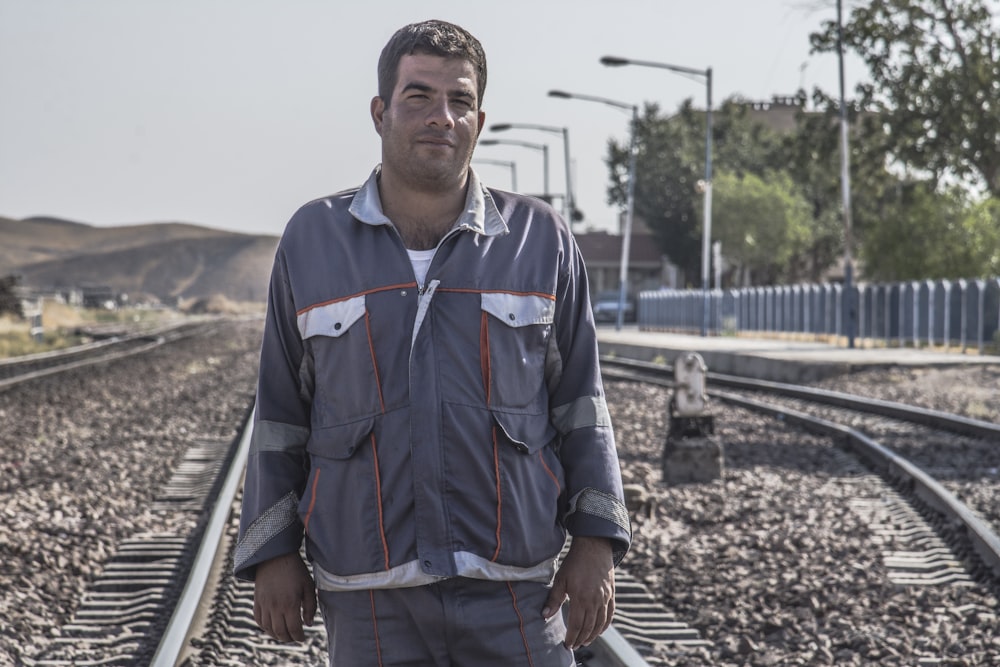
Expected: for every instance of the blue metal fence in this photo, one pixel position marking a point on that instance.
(926, 313)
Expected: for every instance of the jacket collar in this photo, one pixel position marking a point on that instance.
(481, 214)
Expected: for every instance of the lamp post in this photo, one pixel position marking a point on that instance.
(630, 196)
(706, 242)
(568, 203)
(845, 190)
(526, 144)
(503, 163)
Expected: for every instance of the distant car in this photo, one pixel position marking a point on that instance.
(606, 308)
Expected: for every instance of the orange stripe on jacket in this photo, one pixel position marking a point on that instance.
(496, 471)
(378, 498)
(371, 347)
(312, 501)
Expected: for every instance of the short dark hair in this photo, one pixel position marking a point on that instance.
(435, 38)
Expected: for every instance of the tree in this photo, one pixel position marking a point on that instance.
(671, 166)
(935, 70)
(811, 156)
(666, 178)
(982, 226)
(763, 224)
(921, 236)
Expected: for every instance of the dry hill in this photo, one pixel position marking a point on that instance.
(167, 260)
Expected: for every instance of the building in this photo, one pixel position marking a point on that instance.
(648, 266)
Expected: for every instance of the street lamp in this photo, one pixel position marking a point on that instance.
(630, 196)
(503, 163)
(526, 144)
(845, 188)
(568, 203)
(706, 242)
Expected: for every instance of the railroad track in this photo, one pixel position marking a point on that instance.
(226, 632)
(170, 599)
(16, 370)
(188, 580)
(929, 438)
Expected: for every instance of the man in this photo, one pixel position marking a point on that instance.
(430, 414)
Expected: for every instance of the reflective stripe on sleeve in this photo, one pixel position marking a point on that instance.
(584, 412)
(277, 437)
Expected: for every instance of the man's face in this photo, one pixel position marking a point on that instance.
(429, 128)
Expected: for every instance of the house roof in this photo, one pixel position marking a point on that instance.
(601, 248)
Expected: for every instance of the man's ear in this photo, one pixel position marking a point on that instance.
(482, 123)
(377, 109)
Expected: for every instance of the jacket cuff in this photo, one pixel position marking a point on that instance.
(594, 513)
(275, 532)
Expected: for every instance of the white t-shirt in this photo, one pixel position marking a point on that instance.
(421, 261)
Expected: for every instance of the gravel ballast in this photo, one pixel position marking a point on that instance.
(772, 564)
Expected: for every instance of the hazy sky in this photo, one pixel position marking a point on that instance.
(232, 113)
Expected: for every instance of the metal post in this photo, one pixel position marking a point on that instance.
(545, 162)
(845, 188)
(627, 232)
(569, 206)
(706, 241)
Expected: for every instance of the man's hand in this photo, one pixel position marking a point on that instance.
(587, 578)
(284, 596)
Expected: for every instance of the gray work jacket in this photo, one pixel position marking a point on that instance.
(413, 433)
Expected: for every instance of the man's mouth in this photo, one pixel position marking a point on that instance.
(435, 141)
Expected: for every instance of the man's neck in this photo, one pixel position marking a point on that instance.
(422, 217)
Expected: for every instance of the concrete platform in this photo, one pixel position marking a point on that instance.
(774, 359)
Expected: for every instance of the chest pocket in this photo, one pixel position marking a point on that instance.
(346, 376)
(516, 329)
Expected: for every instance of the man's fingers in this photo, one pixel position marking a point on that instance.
(579, 625)
(293, 626)
(309, 606)
(557, 595)
(601, 622)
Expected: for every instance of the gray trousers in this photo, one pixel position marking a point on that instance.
(455, 623)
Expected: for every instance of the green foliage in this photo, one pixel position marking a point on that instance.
(935, 82)
(666, 179)
(921, 237)
(982, 228)
(929, 117)
(671, 170)
(762, 224)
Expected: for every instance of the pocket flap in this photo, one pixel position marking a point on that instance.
(519, 310)
(528, 433)
(341, 441)
(331, 319)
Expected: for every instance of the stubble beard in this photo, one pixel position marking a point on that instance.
(435, 174)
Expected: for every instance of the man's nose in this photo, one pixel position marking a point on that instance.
(440, 114)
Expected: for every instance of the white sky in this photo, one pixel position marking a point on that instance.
(232, 113)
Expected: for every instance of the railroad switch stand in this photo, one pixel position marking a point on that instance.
(691, 453)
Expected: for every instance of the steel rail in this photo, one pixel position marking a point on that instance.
(58, 361)
(985, 542)
(172, 644)
(935, 418)
(7, 383)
